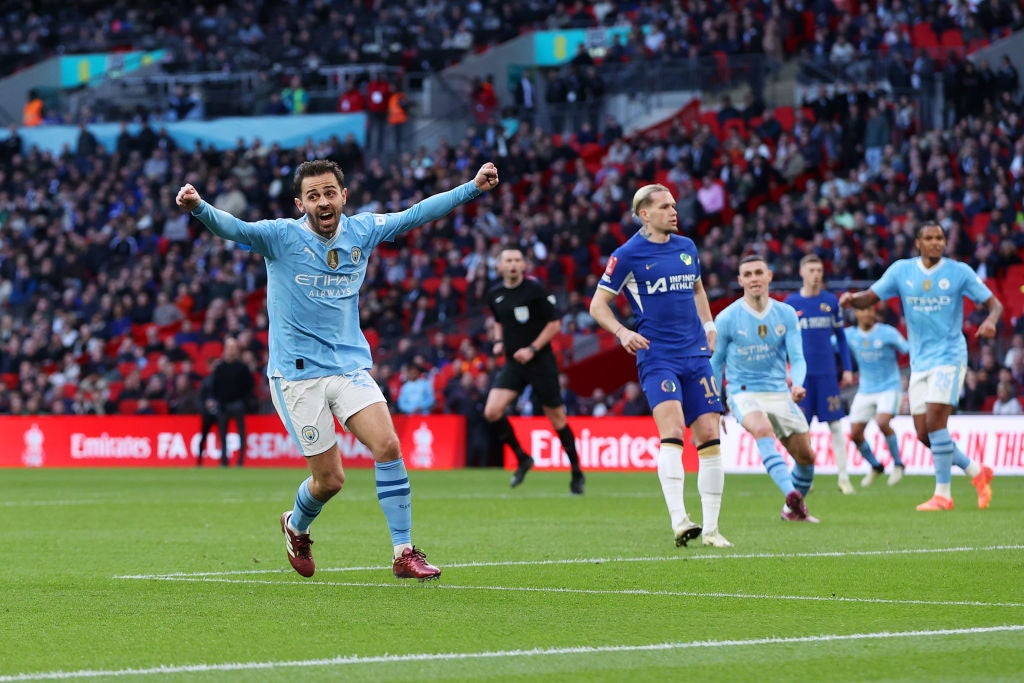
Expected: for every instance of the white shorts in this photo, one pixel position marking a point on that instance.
(866, 406)
(307, 407)
(938, 385)
(785, 415)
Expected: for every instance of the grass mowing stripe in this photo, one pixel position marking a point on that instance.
(600, 560)
(538, 652)
(590, 591)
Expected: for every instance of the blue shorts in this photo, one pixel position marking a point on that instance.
(687, 380)
(822, 399)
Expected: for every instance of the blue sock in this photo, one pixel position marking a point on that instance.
(306, 507)
(959, 459)
(774, 463)
(803, 477)
(865, 450)
(395, 499)
(942, 453)
(894, 449)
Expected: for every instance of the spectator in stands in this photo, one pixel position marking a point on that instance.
(632, 403)
(378, 94)
(351, 101)
(32, 112)
(417, 393)
(1006, 401)
(295, 97)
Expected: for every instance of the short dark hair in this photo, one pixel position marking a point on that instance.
(929, 224)
(750, 258)
(308, 169)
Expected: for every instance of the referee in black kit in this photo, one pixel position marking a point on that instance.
(525, 321)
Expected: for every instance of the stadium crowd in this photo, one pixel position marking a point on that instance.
(113, 301)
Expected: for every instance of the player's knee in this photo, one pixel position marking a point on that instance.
(493, 413)
(327, 484)
(388, 449)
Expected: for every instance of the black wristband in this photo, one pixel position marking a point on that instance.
(534, 349)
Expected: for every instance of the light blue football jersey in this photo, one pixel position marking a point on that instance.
(876, 350)
(313, 282)
(933, 306)
(754, 347)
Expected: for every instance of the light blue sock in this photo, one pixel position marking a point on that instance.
(306, 508)
(894, 449)
(865, 450)
(942, 453)
(959, 458)
(803, 477)
(774, 463)
(395, 499)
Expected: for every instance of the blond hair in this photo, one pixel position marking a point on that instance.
(643, 196)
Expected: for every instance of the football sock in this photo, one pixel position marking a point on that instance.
(306, 508)
(503, 430)
(395, 499)
(710, 482)
(942, 453)
(971, 468)
(670, 473)
(568, 440)
(865, 450)
(774, 463)
(894, 449)
(803, 477)
(839, 448)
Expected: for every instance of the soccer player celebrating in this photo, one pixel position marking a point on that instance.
(756, 336)
(660, 272)
(319, 359)
(932, 289)
(525, 321)
(875, 347)
(820, 319)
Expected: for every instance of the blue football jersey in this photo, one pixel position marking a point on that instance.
(658, 279)
(820, 318)
(313, 282)
(933, 306)
(876, 353)
(754, 347)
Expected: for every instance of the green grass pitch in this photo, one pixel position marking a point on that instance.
(181, 575)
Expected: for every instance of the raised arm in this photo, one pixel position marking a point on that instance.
(220, 223)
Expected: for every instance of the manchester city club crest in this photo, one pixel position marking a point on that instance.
(332, 258)
(310, 434)
(356, 255)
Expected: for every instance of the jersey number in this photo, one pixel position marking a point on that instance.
(710, 387)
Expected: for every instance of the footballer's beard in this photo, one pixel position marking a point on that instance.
(320, 228)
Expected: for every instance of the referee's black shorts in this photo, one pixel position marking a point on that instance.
(541, 373)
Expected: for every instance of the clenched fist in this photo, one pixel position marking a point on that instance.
(188, 197)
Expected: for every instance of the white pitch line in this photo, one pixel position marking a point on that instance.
(497, 654)
(604, 560)
(593, 591)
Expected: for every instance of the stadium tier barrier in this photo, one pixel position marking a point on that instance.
(611, 444)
